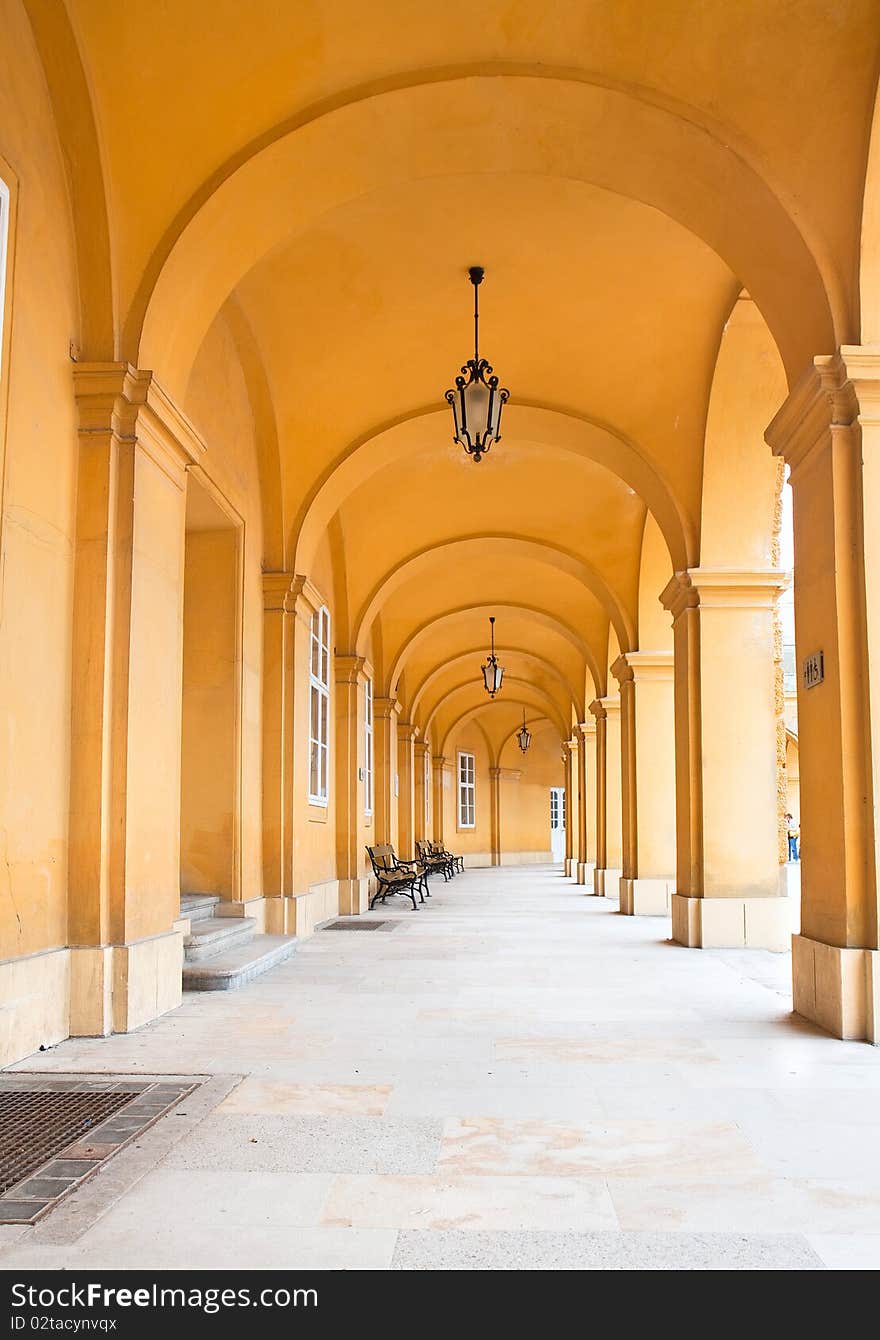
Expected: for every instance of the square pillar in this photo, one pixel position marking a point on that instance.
(606, 880)
(351, 674)
(569, 747)
(441, 770)
(421, 788)
(406, 734)
(135, 448)
(828, 432)
(586, 771)
(385, 787)
(278, 716)
(647, 730)
(727, 878)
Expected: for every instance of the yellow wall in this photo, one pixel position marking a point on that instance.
(38, 432)
(211, 673)
(219, 405)
(525, 801)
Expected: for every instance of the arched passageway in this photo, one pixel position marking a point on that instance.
(248, 575)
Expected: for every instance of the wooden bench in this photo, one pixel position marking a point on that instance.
(395, 876)
(432, 859)
(456, 862)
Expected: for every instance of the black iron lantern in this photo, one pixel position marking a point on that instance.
(524, 735)
(493, 673)
(476, 399)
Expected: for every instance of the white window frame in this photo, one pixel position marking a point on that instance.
(4, 253)
(368, 747)
(319, 706)
(467, 790)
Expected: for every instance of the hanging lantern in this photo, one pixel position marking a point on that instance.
(493, 673)
(524, 735)
(476, 399)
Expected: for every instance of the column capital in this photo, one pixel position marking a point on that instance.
(611, 705)
(643, 665)
(422, 748)
(305, 597)
(824, 397)
(723, 588)
(277, 594)
(385, 708)
(348, 669)
(597, 708)
(587, 728)
(438, 762)
(506, 774)
(130, 403)
(572, 744)
(406, 731)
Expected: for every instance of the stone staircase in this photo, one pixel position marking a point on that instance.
(222, 953)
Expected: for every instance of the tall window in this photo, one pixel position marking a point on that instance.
(467, 811)
(319, 706)
(4, 237)
(368, 747)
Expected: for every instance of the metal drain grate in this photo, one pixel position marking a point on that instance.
(359, 925)
(36, 1126)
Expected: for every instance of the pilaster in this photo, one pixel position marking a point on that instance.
(647, 732)
(727, 890)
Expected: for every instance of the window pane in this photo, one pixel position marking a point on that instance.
(313, 712)
(313, 768)
(315, 663)
(323, 734)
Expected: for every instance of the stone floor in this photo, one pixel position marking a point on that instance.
(514, 1077)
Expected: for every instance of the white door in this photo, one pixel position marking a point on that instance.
(557, 822)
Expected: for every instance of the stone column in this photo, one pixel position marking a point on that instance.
(647, 731)
(135, 448)
(727, 877)
(597, 711)
(351, 674)
(568, 748)
(406, 733)
(828, 431)
(385, 714)
(278, 714)
(421, 790)
(440, 768)
(495, 815)
(607, 878)
(586, 867)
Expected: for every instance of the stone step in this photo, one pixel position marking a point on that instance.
(198, 906)
(234, 967)
(215, 935)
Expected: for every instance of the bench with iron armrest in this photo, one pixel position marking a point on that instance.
(457, 861)
(434, 860)
(394, 876)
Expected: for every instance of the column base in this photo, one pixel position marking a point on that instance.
(301, 914)
(646, 897)
(354, 896)
(606, 882)
(838, 989)
(570, 866)
(115, 988)
(584, 873)
(34, 994)
(731, 923)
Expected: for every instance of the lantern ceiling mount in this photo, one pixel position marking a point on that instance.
(493, 673)
(477, 398)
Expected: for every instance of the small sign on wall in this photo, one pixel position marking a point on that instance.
(813, 669)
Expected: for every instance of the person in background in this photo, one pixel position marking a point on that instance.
(793, 831)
